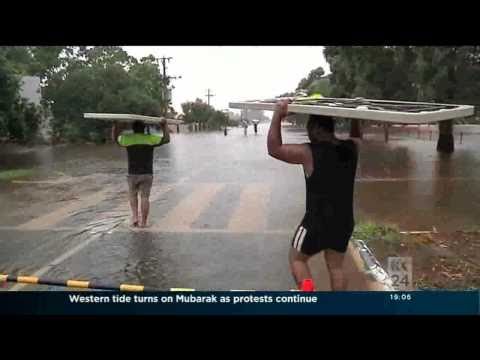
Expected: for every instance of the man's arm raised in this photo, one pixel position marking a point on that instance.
(290, 153)
(115, 132)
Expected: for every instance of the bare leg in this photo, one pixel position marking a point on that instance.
(145, 205)
(299, 266)
(134, 208)
(334, 260)
(145, 187)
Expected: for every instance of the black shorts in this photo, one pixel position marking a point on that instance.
(314, 235)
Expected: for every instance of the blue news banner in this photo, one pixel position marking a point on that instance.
(240, 303)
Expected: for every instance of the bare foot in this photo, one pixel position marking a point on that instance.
(134, 223)
(143, 225)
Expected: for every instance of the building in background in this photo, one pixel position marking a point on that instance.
(31, 91)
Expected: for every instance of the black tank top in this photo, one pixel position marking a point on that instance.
(330, 187)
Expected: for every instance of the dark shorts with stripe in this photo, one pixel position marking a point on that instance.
(313, 235)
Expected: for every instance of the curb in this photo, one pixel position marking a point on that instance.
(368, 265)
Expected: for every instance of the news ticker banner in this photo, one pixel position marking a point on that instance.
(240, 303)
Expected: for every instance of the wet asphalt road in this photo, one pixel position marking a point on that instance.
(222, 212)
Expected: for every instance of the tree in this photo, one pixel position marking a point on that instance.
(101, 79)
(287, 94)
(200, 112)
(431, 74)
(342, 78)
(218, 120)
(9, 85)
(412, 73)
(314, 75)
(321, 86)
(361, 71)
(105, 56)
(77, 80)
(197, 111)
(23, 121)
(19, 58)
(18, 120)
(33, 60)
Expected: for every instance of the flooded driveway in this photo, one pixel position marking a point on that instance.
(222, 211)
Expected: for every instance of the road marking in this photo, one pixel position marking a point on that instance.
(56, 216)
(48, 220)
(58, 260)
(251, 212)
(158, 192)
(182, 216)
(37, 224)
(155, 194)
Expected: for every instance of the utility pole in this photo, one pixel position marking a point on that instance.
(209, 95)
(164, 65)
(166, 81)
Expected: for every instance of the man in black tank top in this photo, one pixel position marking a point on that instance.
(329, 166)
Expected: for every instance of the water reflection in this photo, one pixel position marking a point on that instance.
(417, 188)
(145, 260)
(404, 182)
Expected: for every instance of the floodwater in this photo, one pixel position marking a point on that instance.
(222, 213)
(406, 182)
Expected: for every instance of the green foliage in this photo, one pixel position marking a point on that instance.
(287, 94)
(33, 60)
(78, 80)
(23, 122)
(18, 120)
(18, 58)
(363, 71)
(437, 74)
(314, 75)
(218, 120)
(7, 175)
(314, 83)
(9, 85)
(320, 86)
(201, 112)
(370, 232)
(102, 79)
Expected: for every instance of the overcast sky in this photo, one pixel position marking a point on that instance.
(234, 73)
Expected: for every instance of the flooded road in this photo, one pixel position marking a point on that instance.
(222, 211)
(408, 184)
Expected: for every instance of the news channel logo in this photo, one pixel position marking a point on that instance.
(400, 271)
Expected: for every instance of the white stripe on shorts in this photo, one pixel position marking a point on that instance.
(300, 241)
(297, 236)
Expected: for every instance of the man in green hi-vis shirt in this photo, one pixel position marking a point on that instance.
(140, 165)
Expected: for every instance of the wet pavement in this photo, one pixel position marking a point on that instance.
(222, 211)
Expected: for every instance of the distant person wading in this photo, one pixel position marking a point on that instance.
(329, 165)
(140, 165)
